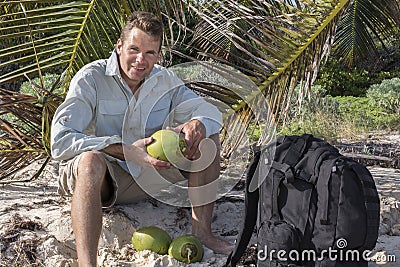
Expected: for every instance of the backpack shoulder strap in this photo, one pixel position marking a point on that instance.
(251, 211)
(372, 203)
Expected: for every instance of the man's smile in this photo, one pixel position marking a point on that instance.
(139, 68)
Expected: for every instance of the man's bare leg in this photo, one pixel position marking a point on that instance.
(86, 210)
(202, 214)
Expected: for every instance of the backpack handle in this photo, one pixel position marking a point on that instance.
(296, 149)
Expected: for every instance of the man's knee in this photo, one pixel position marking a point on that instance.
(92, 168)
(212, 159)
(93, 159)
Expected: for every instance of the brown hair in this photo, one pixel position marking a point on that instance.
(145, 21)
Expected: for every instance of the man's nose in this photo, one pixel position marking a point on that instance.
(140, 57)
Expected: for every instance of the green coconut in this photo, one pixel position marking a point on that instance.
(167, 145)
(186, 248)
(151, 238)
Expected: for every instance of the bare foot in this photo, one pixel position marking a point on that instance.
(216, 244)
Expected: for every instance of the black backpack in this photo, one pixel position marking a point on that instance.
(313, 206)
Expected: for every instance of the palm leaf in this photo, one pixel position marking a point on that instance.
(20, 121)
(365, 24)
(276, 43)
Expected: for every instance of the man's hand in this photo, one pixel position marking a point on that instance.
(194, 131)
(136, 153)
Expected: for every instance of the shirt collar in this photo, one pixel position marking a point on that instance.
(112, 67)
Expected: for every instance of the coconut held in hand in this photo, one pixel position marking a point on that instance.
(167, 145)
(151, 238)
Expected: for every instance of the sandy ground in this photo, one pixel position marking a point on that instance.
(35, 225)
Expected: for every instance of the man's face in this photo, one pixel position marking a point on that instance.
(137, 56)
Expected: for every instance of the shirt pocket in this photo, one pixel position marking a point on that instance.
(112, 107)
(111, 117)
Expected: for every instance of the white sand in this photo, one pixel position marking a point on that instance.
(47, 233)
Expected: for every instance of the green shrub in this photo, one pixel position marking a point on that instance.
(317, 124)
(254, 132)
(334, 118)
(364, 116)
(386, 95)
(339, 81)
(317, 115)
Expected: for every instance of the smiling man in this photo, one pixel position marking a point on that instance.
(138, 52)
(87, 132)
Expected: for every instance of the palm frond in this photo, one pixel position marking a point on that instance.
(20, 120)
(45, 36)
(277, 43)
(365, 24)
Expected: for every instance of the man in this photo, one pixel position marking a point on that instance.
(97, 168)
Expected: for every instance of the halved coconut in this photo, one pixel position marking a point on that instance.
(186, 248)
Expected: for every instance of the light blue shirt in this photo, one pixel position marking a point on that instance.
(100, 109)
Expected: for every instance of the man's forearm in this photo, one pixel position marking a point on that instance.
(114, 150)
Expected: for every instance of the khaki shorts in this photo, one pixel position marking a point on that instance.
(126, 188)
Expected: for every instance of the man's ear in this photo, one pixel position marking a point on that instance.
(119, 46)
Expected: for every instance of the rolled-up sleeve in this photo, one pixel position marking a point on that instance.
(73, 126)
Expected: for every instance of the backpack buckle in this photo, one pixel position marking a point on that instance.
(289, 175)
(286, 169)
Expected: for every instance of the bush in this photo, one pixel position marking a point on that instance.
(48, 80)
(317, 115)
(33, 87)
(365, 116)
(340, 81)
(386, 95)
(339, 117)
